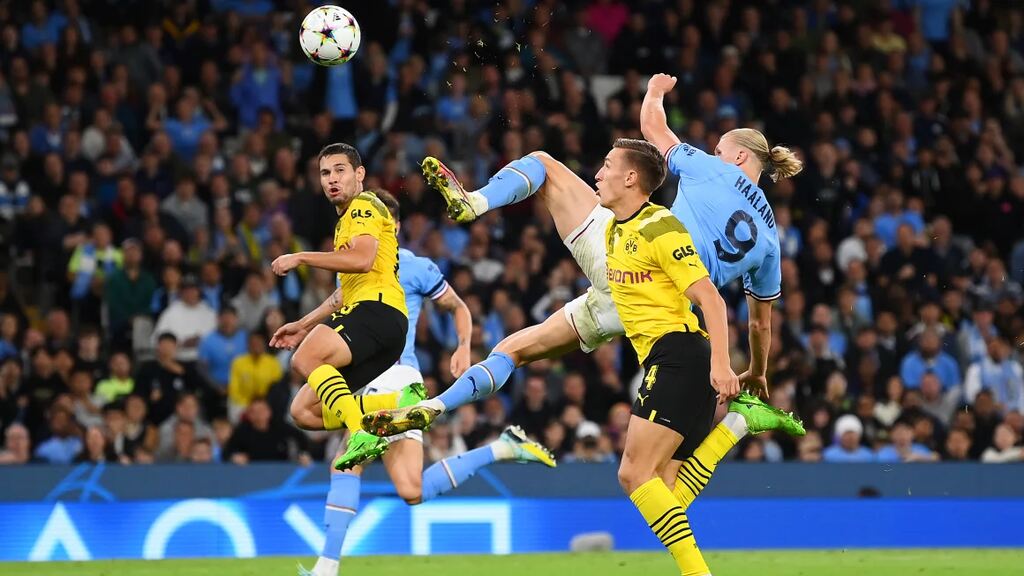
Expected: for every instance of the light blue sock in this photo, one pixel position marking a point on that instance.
(451, 472)
(517, 181)
(342, 504)
(480, 381)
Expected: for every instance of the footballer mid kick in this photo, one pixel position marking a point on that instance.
(715, 200)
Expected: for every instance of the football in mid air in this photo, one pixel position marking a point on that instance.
(329, 35)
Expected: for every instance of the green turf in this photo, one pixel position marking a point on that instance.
(837, 563)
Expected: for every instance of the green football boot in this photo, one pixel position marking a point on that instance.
(412, 394)
(762, 417)
(440, 178)
(362, 447)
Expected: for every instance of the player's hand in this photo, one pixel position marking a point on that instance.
(288, 336)
(725, 382)
(460, 361)
(284, 264)
(756, 385)
(660, 84)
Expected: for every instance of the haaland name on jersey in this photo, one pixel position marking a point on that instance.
(757, 201)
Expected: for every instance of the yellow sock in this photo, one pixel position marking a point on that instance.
(367, 403)
(375, 402)
(335, 397)
(696, 470)
(669, 523)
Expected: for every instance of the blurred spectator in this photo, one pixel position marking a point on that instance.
(903, 447)
(958, 445)
(257, 85)
(186, 208)
(219, 348)
(809, 448)
(252, 375)
(1005, 446)
(533, 411)
(188, 319)
(201, 451)
(65, 441)
(17, 445)
(929, 357)
(119, 383)
(186, 410)
(87, 409)
(590, 445)
(999, 373)
(128, 292)
(259, 437)
(162, 380)
(847, 447)
(975, 333)
(935, 401)
(115, 428)
(141, 435)
(252, 302)
(96, 450)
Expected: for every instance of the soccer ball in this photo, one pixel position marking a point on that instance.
(329, 36)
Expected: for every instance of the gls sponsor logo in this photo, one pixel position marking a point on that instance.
(361, 213)
(683, 252)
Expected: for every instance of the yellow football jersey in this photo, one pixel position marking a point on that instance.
(368, 215)
(651, 263)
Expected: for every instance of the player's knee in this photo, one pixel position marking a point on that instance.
(410, 489)
(303, 417)
(509, 348)
(307, 358)
(302, 362)
(543, 156)
(411, 495)
(633, 474)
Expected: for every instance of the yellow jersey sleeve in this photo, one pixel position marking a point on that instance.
(676, 255)
(366, 218)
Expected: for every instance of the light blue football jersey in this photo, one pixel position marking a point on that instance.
(420, 278)
(731, 223)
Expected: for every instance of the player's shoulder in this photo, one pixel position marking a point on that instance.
(655, 220)
(370, 201)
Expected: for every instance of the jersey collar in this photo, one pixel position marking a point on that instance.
(635, 214)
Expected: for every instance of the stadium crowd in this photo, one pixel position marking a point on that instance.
(158, 155)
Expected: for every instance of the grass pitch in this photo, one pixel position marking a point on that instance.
(775, 563)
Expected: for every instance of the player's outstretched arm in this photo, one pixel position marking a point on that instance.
(356, 258)
(704, 294)
(291, 334)
(653, 122)
(450, 302)
(759, 335)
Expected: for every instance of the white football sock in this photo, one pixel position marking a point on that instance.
(503, 450)
(479, 203)
(435, 404)
(736, 423)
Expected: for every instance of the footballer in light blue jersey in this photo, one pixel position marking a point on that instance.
(730, 220)
(421, 279)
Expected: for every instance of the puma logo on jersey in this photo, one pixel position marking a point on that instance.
(473, 382)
